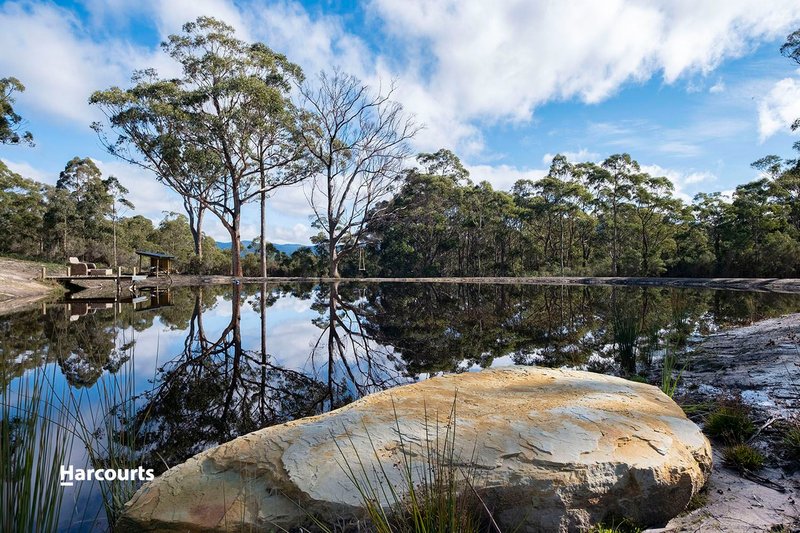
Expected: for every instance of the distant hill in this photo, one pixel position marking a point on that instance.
(288, 248)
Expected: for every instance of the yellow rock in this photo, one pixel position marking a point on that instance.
(555, 450)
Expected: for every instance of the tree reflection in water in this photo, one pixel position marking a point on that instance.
(216, 385)
(355, 362)
(216, 390)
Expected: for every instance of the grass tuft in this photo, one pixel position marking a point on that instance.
(791, 441)
(614, 526)
(669, 383)
(730, 423)
(743, 457)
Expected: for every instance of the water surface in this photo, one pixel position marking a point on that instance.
(156, 379)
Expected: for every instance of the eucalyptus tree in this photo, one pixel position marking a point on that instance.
(78, 210)
(655, 213)
(222, 134)
(612, 183)
(10, 121)
(359, 142)
(562, 196)
(21, 210)
(714, 215)
(117, 192)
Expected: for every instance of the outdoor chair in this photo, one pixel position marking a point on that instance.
(79, 268)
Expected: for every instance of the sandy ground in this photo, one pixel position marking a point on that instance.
(20, 285)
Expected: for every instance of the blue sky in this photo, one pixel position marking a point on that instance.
(693, 90)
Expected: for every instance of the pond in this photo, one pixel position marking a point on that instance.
(152, 380)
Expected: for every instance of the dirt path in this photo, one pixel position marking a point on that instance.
(19, 285)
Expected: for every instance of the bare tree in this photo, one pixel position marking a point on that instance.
(359, 140)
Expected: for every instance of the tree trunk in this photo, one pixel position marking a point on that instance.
(198, 240)
(263, 232)
(236, 251)
(263, 385)
(333, 270)
(115, 237)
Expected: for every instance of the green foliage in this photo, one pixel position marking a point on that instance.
(791, 441)
(669, 382)
(10, 121)
(730, 423)
(743, 457)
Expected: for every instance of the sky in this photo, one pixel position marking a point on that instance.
(694, 90)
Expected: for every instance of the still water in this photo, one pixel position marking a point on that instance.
(151, 381)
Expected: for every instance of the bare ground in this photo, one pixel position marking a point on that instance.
(760, 364)
(21, 285)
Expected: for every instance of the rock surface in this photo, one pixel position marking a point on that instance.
(555, 450)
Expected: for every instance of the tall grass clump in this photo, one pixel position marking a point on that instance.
(110, 431)
(626, 334)
(34, 441)
(669, 382)
(743, 457)
(436, 492)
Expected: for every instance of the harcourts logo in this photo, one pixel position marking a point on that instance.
(69, 475)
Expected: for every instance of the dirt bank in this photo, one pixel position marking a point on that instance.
(736, 284)
(760, 364)
(20, 284)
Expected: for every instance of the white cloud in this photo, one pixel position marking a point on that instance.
(502, 59)
(46, 47)
(458, 65)
(580, 156)
(26, 170)
(503, 177)
(779, 108)
(717, 88)
(150, 197)
(686, 183)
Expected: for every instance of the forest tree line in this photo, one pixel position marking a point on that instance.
(241, 122)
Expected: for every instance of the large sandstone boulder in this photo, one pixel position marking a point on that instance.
(555, 450)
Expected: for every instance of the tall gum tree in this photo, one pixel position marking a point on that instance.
(10, 121)
(222, 135)
(358, 141)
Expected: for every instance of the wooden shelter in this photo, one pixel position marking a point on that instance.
(159, 263)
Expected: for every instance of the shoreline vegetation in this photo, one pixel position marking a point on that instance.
(21, 284)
